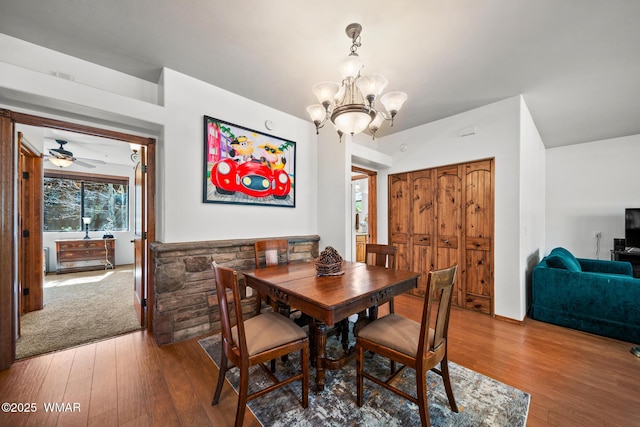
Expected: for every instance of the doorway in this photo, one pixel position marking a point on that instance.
(11, 278)
(364, 204)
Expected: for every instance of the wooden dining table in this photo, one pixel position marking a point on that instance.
(329, 299)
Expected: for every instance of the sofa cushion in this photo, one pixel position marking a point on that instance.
(562, 258)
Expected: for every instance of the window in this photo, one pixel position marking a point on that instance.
(70, 196)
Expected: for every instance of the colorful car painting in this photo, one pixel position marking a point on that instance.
(252, 178)
(244, 166)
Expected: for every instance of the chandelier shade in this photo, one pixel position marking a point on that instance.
(325, 92)
(393, 101)
(351, 105)
(352, 118)
(317, 112)
(371, 86)
(63, 163)
(351, 66)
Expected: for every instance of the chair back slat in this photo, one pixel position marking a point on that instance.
(381, 255)
(227, 280)
(271, 252)
(439, 284)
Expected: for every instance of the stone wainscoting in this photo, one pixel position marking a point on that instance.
(185, 303)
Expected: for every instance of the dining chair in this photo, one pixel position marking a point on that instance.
(255, 341)
(268, 253)
(382, 256)
(421, 346)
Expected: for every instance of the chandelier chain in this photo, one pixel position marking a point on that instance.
(356, 44)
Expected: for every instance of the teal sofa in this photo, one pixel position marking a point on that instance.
(596, 296)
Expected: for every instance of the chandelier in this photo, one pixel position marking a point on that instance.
(351, 105)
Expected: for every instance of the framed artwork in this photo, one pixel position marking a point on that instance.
(244, 166)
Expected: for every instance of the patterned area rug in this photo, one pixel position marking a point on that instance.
(481, 401)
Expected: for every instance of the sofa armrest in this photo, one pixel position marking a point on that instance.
(603, 266)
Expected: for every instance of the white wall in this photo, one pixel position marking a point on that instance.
(186, 217)
(177, 123)
(532, 212)
(439, 143)
(40, 59)
(334, 192)
(588, 186)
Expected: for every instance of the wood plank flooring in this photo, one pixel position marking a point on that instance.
(575, 379)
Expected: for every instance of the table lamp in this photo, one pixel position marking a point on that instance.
(86, 221)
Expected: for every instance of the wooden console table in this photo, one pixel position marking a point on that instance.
(85, 254)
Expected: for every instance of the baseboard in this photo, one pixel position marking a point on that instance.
(508, 319)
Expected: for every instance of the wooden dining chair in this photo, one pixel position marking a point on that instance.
(421, 346)
(382, 256)
(255, 341)
(268, 253)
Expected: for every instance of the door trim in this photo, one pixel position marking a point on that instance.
(373, 201)
(8, 243)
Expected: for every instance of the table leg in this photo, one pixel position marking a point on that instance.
(320, 336)
(312, 342)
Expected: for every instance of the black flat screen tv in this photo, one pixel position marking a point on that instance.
(632, 227)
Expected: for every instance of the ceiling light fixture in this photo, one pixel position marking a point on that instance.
(63, 163)
(351, 104)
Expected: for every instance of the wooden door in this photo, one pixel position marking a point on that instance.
(442, 217)
(399, 208)
(422, 226)
(448, 223)
(30, 226)
(478, 232)
(139, 239)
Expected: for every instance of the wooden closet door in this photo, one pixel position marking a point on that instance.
(448, 223)
(422, 220)
(478, 248)
(399, 208)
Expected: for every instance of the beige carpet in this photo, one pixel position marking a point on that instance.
(79, 308)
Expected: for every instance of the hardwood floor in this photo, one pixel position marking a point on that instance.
(575, 379)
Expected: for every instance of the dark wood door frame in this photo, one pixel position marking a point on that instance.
(30, 223)
(373, 200)
(9, 224)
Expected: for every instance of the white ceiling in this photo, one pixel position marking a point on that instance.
(88, 147)
(576, 62)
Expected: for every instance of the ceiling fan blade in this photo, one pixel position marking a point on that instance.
(100, 162)
(81, 163)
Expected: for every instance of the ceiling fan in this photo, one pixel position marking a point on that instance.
(63, 158)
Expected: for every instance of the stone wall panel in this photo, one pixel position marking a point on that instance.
(185, 302)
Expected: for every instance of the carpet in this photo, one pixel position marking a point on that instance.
(482, 401)
(79, 308)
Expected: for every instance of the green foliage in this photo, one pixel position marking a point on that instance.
(286, 145)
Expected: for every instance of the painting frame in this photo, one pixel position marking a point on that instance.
(243, 166)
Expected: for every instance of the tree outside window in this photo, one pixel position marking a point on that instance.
(68, 197)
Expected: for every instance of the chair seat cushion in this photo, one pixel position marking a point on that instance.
(395, 332)
(268, 330)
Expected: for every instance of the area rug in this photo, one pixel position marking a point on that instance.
(482, 401)
(79, 308)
